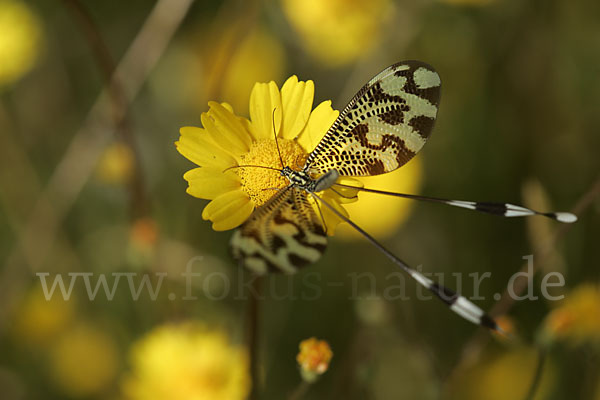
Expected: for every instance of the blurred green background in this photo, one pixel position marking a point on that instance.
(90, 182)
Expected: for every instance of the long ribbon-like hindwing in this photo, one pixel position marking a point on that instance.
(385, 124)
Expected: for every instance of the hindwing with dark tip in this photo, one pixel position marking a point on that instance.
(385, 124)
(282, 235)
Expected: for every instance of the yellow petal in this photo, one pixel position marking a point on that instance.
(210, 182)
(229, 210)
(248, 126)
(197, 146)
(331, 219)
(265, 105)
(228, 107)
(226, 129)
(319, 122)
(296, 101)
(345, 195)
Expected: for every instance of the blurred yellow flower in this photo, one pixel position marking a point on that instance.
(38, 321)
(504, 376)
(228, 141)
(256, 57)
(84, 361)
(577, 319)
(186, 362)
(337, 32)
(372, 310)
(116, 165)
(468, 2)
(20, 36)
(219, 65)
(404, 180)
(313, 358)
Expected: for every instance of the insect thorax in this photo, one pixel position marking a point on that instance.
(302, 179)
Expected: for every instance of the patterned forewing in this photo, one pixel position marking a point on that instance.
(384, 125)
(283, 235)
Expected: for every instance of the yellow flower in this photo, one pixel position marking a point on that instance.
(505, 376)
(20, 35)
(468, 2)
(257, 57)
(116, 165)
(313, 358)
(221, 64)
(372, 310)
(84, 361)
(228, 141)
(576, 319)
(337, 32)
(38, 321)
(185, 362)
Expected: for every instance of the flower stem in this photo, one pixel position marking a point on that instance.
(537, 377)
(252, 336)
(300, 391)
(139, 202)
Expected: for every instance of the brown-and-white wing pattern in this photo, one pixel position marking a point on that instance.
(283, 235)
(384, 125)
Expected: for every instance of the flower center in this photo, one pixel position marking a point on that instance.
(261, 184)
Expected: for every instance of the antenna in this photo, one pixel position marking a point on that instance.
(251, 166)
(276, 142)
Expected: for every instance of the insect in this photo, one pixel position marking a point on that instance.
(383, 126)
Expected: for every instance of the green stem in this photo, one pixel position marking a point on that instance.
(300, 391)
(253, 336)
(537, 377)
